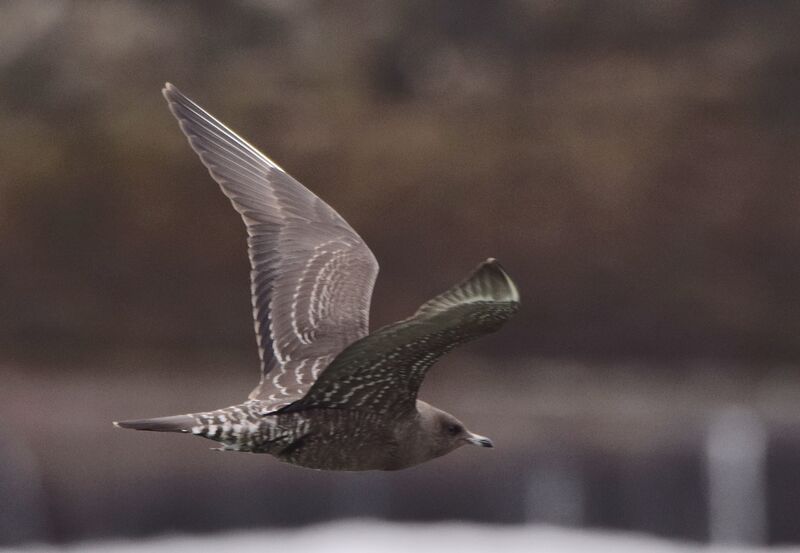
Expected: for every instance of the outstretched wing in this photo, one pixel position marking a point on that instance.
(312, 275)
(383, 372)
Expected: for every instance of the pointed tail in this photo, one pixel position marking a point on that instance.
(177, 423)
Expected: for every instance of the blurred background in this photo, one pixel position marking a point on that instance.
(634, 165)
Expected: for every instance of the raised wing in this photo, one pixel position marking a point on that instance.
(312, 275)
(383, 372)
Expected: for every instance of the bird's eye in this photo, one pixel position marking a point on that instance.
(453, 429)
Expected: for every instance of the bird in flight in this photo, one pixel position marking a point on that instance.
(332, 395)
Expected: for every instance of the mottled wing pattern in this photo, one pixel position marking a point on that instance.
(312, 275)
(383, 371)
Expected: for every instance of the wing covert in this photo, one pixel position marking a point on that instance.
(383, 372)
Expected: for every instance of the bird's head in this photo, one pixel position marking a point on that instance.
(444, 432)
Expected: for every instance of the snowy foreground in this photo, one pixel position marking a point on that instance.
(384, 537)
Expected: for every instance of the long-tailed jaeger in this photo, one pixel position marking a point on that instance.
(332, 395)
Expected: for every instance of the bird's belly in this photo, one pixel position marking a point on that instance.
(338, 440)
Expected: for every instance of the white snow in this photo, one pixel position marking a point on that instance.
(386, 537)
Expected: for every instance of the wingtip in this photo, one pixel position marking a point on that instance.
(512, 290)
(169, 91)
(492, 264)
(512, 287)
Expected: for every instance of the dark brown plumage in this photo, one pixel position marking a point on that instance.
(331, 395)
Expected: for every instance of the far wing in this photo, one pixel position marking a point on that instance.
(383, 372)
(312, 275)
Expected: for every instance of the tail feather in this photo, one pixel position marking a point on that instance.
(177, 423)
